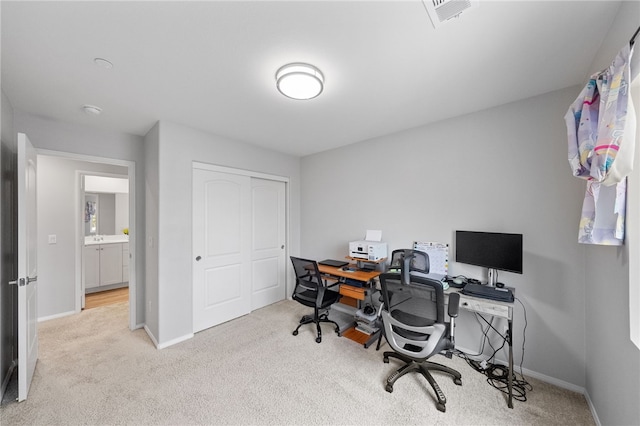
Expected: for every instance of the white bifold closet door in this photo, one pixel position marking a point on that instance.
(239, 227)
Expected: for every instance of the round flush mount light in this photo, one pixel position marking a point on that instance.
(299, 81)
(91, 109)
(103, 63)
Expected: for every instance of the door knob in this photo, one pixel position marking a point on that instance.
(198, 258)
(282, 246)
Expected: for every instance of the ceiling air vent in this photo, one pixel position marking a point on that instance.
(440, 11)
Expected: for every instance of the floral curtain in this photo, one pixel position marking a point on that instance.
(601, 134)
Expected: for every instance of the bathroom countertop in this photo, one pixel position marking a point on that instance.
(106, 239)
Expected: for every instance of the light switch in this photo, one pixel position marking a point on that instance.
(52, 239)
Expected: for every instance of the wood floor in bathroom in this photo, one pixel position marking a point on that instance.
(108, 297)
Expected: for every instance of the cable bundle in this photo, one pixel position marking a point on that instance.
(498, 374)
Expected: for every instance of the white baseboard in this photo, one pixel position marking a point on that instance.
(547, 379)
(175, 341)
(542, 377)
(151, 336)
(7, 378)
(593, 409)
(170, 342)
(64, 314)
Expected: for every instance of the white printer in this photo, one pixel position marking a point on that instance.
(368, 250)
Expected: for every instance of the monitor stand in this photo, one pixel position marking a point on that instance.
(493, 277)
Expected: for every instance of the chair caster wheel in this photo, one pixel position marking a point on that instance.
(457, 382)
(318, 339)
(441, 407)
(389, 388)
(295, 333)
(385, 360)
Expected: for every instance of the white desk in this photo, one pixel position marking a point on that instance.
(497, 309)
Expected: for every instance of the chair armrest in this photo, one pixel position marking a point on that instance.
(454, 304)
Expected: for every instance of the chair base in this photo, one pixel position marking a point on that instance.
(308, 319)
(422, 367)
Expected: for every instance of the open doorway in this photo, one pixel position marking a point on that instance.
(61, 230)
(104, 201)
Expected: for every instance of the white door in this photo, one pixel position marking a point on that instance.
(268, 238)
(27, 271)
(221, 247)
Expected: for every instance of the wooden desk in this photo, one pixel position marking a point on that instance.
(351, 300)
(358, 275)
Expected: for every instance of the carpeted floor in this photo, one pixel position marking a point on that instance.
(94, 371)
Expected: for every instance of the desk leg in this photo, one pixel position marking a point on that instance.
(510, 379)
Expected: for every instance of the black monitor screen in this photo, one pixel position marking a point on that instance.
(490, 250)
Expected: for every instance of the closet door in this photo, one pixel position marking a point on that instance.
(221, 247)
(267, 242)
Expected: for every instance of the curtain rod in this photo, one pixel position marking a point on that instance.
(633, 38)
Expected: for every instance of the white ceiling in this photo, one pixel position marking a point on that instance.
(211, 65)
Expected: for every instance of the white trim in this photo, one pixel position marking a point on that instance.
(131, 167)
(241, 172)
(151, 336)
(176, 341)
(50, 317)
(83, 157)
(593, 409)
(170, 342)
(529, 373)
(80, 284)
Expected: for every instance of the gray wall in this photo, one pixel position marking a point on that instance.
(152, 190)
(504, 169)
(63, 137)
(8, 243)
(179, 147)
(613, 360)
(57, 215)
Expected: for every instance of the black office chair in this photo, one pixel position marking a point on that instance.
(415, 328)
(404, 262)
(408, 260)
(311, 290)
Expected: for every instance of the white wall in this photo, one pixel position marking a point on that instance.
(57, 215)
(179, 147)
(63, 137)
(504, 169)
(122, 212)
(613, 360)
(106, 184)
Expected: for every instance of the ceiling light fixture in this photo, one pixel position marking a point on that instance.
(299, 81)
(91, 109)
(103, 63)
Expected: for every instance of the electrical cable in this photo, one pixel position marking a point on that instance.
(498, 374)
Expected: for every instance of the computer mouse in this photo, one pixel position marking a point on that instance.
(457, 280)
(499, 285)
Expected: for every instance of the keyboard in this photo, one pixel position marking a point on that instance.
(488, 292)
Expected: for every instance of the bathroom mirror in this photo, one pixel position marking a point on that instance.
(105, 214)
(106, 205)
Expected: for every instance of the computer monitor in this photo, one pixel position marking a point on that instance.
(492, 250)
